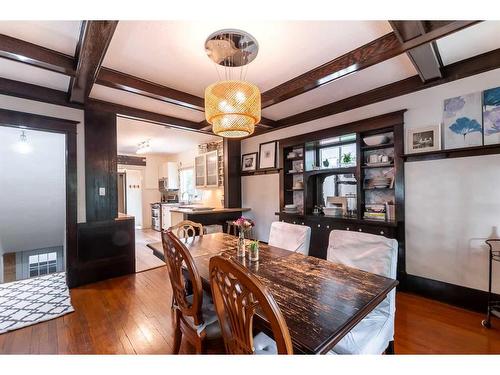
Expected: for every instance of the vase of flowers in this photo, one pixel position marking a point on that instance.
(245, 225)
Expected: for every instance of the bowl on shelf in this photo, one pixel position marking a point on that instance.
(376, 140)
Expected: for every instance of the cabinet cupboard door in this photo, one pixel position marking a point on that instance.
(200, 170)
(212, 169)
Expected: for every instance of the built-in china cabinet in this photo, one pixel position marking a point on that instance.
(348, 177)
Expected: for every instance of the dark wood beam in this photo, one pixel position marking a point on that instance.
(139, 114)
(95, 37)
(135, 85)
(33, 92)
(425, 58)
(31, 54)
(462, 69)
(377, 51)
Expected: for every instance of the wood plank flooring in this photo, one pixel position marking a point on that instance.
(144, 257)
(131, 314)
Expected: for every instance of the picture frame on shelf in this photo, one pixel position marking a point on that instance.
(268, 152)
(491, 116)
(463, 121)
(423, 139)
(249, 162)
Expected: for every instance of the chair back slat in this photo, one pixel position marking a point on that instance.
(237, 295)
(178, 258)
(187, 229)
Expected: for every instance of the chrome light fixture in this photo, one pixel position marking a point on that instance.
(232, 106)
(23, 146)
(143, 147)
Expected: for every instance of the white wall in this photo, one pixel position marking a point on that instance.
(32, 191)
(452, 191)
(31, 106)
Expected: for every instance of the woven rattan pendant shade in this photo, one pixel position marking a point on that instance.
(232, 108)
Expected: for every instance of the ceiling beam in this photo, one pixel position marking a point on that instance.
(139, 114)
(425, 58)
(121, 81)
(95, 37)
(462, 69)
(375, 52)
(33, 92)
(31, 54)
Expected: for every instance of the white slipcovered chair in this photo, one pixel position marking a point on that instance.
(375, 254)
(290, 237)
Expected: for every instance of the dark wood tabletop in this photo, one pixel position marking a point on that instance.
(321, 301)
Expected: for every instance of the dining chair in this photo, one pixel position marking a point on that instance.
(194, 313)
(237, 295)
(290, 237)
(187, 229)
(375, 254)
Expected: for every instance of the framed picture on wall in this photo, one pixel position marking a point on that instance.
(462, 121)
(423, 139)
(267, 153)
(249, 162)
(491, 116)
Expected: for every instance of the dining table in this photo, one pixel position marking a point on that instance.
(321, 301)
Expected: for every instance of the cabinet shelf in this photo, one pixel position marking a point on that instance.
(377, 147)
(377, 166)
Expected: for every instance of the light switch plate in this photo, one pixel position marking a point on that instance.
(102, 191)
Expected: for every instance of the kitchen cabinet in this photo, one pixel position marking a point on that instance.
(170, 172)
(206, 170)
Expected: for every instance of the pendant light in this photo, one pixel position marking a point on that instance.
(23, 146)
(232, 106)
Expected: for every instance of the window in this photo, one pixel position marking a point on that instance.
(187, 186)
(42, 264)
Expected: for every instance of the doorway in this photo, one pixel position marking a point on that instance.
(32, 202)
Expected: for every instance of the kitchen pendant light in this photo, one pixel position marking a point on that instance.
(143, 147)
(232, 106)
(23, 147)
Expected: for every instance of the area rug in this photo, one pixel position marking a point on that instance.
(31, 301)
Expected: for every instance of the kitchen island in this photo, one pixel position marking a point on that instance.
(207, 216)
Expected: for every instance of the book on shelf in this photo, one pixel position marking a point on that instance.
(374, 215)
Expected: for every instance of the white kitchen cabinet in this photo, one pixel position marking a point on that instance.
(170, 171)
(206, 170)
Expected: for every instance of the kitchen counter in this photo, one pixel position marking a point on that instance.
(205, 212)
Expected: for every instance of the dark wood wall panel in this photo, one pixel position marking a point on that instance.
(232, 173)
(100, 165)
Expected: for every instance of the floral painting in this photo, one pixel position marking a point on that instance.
(491, 116)
(462, 121)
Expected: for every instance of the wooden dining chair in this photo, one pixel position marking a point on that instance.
(195, 317)
(237, 295)
(187, 229)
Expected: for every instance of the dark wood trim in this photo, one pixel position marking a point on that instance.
(425, 58)
(453, 153)
(37, 122)
(232, 173)
(374, 52)
(261, 171)
(33, 92)
(121, 81)
(95, 37)
(68, 128)
(462, 69)
(461, 296)
(377, 51)
(138, 114)
(131, 160)
(31, 54)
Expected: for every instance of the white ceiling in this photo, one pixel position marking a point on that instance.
(163, 140)
(472, 41)
(30, 74)
(172, 53)
(61, 36)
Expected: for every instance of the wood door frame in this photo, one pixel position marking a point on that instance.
(31, 121)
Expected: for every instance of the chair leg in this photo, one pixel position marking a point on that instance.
(177, 333)
(390, 348)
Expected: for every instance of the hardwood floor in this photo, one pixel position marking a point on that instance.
(131, 314)
(144, 257)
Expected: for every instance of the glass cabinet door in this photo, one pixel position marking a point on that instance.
(200, 170)
(212, 168)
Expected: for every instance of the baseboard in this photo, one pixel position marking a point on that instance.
(461, 296)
